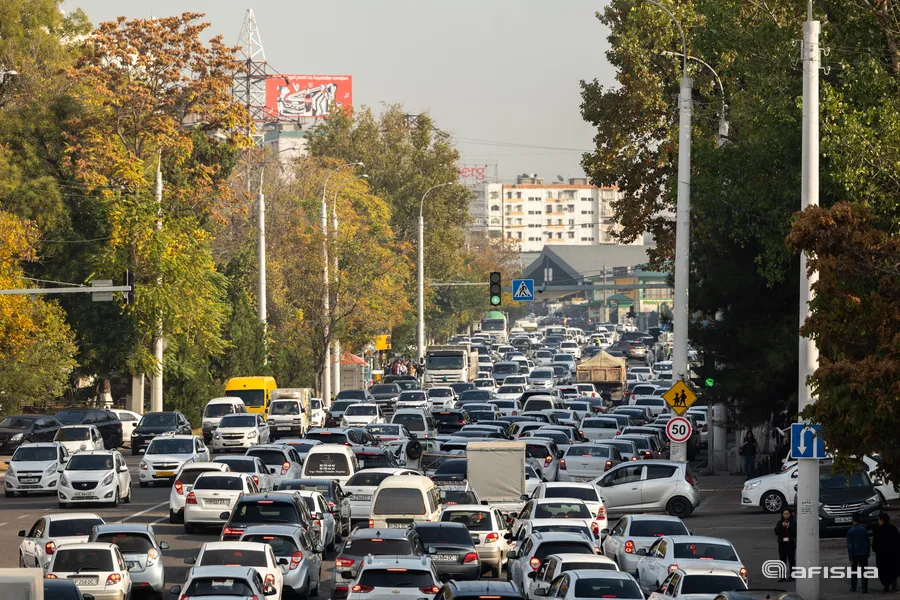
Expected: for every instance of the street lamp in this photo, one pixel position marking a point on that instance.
(336, 344)
(420, 331)
(326, 303)
(723, 122)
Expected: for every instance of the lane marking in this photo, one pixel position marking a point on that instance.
(21, 516)
(2, 524)
(143, 512)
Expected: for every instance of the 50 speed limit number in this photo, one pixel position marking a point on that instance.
(678, 430)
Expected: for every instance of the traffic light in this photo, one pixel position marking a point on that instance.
(495, 289)
(631, 314)
(129, 281)
(710, 382)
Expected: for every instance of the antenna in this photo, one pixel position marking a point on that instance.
(250, 80)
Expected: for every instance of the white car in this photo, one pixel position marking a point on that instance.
(316, 412)
(322, 516)
(253, 466)
(586, 492)
(212, 494)
(571, 509)
(442, 397)
(400, 577)
(599, 428)
(516, 380)
(256, 555)
(635, 532)
(362, 485)
(541, 379)
(96, 568)
(50, 532)
(772, 493)
(166, 454)
(223, 582)
(592, 583)
(556, 564)
(697, 584)
(532, 479)
(686, 552)
(510, 392)
(571, 347)
(239, 432)
(76, 438)
(95, 476)
(282, 461)
(184, 483)
(555, 526)
(488, 525)
(414, 399)
(34, 468)
(360, 415)
(587, 390)
(485, 383)
(526, 558)
(128, 419)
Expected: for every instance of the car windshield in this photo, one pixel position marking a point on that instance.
(285, 407)
(596, 451)
(474, 520)
(90, 462)
(251, 398)
(710, 584)
(413, 422)
(562, 510)
(397, 578)
(282, 545)
(327, 465)
(238, 464)
(377, 547)
(380, 429)
(223, 557)
(537, 451)
(271, 458)
(557, 436)
(238, 421)
(264, 511)
(506, 368)
(511, 389)
(164, 446)
(219, 482)
(581, 493)
(160, 420)
(438, 361)
(608, 588)
(340, 406)
(600, 424)
(363, 479)
(440, 393)
(302, 447)
(219, 586)
(399, 501)
(836, 481)
(653, 528)
(128, 542)
(361, 410)
(81, 560)
(73, 527)
(475, 396)
(218, 410)
(75, 434)
(385, 389)
(20, 422)
(573, 547)
(412, 397)
(705, 551)
(444, 535)
(32, 454)
(350, 395)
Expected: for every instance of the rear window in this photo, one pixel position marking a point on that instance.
(548, 548)
(562, 529)
(377, 547)
(705, 551)
(538, 404)
(599, 424)
(396, 578)
(72, 527)
(658, 529)
(265, 511)
(710, 584)
(562, 510)
(600, 566)
(219, 482)
(327, 464)
(595, 451)
(611, 588)
(270, 457)
(189, 476)
(372, 460)
(128, 543)
(238, 465)
(412, 422)
(557, 436)
(589, 494)
(244, 558)
(536, 451)
(444, 535)
(474, 520)
(219, 586)
(327, 437)
(399, 501)
(281, 545)
(458, 497)
(367, 479)
(447, 417)
(82, 560)
(75, 434)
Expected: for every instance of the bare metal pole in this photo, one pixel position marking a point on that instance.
(420, 275)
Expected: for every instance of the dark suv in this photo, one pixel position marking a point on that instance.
(450, 421)
(266, 509)
(108, 423)
(18, 429)
(156, 423)
(841, 495)
(377, 542)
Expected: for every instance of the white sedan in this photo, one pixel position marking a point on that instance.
(686, 552)
(239, 432)
(360, 415)
(77, 438)
(257, 555)
(772, 493)
(166, 454)
(697, 584)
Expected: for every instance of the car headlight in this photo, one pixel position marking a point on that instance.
(874, 500)
(50, 470)
(17, 438)
(135, 433)
(252, 434)
(143, 465)
(63, 480)
(10, 471)
(107, 480)
(752, 484)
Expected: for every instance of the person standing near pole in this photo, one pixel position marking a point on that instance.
(748, 451)
(886, 546)
(786, 531)
(858, 551)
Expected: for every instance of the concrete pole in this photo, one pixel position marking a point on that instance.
(326, 310)
(136, 399)
(808, 477)
(261, 256)
(420, 304)
(156, 382)
(719, 438)
(336, 345)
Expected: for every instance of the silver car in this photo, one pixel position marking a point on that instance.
(650, 485)
(141, 550)
(298, 553)
(488, 525)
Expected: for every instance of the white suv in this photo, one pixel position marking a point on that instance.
(34, 468)
(400, 577)
(167, 453)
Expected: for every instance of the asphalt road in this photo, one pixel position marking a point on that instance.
(719, 515)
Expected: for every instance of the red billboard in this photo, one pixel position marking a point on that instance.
(291, 97)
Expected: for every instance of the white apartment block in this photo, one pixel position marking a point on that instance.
(533, 214)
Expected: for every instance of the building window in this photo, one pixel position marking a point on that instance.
(537, 212)
(559, 236)
(571, 208)
(518, 194)
(518, 221)
(518, 208)
(571, 234)
(559, 208)
(549, 221)
(559, 221)
(509, 195)
(495, 208)
(519, 234)
(508, 234)
(509, 221)
(571, 222)
(495, 195)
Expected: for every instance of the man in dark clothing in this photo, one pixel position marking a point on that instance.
(786, 530)
(858, 551)
(886, 546)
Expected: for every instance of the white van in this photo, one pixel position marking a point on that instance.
(403, 499)
(288, 416)
(215, 410)
(330, 461)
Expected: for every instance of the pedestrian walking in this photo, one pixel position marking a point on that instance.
(786, 532)
(886, 546)
(858, 552)
(748, 451)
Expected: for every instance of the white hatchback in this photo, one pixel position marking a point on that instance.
(212, 494)
(77, 438)
(256, 555)
(49, 532)
(184, 483)
(35, 468)
(686, 552)
(239, 432)
(95, 476)
(166, 454)
(96, 568)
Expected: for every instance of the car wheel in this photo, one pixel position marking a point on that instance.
(679, 506)
(9, 494)
(127, 499)
(772, 502)
(114, 443)
(64, 505)
(115, 500)
(174, 519)
(135, 451)
(21, 560)
(144, 484)
(189, 529)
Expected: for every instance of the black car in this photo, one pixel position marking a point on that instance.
(375, 458)
(108, 423)
(468, 590)
(18, 429)
(397, 378)
(334, 435)
(386, 395)
(841, 495)
(265, 509)
(474, 397)
(407, 385)
(450, 421)
(61, 589)
(377, 542)
(156, 423)
(338, 500)
(451, 548)
(454, 469)
(336, 413)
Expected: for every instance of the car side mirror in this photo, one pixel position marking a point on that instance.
(87, 597)
(525, 497)
(874, 481)
(642, 552)
(22, 533)
(225, 516)
(190, 560)
(270, 590)
(175, 590)
(512, 554)
(540, 592)
(272, 470)
(347, 574)
(164, 545)
(283, 561)
(604, 531)
(508, 536)
(532, 575)
(123, 469)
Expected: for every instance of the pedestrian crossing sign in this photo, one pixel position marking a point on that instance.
(680, 397)
(523, 290)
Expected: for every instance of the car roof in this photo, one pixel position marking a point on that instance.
(282, 496)
(217, 545)
(439, 525)
(389, 560)
(43, 444)
(180, 436)
(312, 481)
(388, 470)
(384, 533)
(698, 538)
(452, 507)
(483, 587)
(221, 571)
(221, 459)
(96, 452)
(690, 572)
(566, 484)
(123, 528)
(267, 447)
(601, 573)
(88, 546)
(654, 517)
(560, 521)
(70, 516)
(291, 530)
(582, 558)
(560, 536)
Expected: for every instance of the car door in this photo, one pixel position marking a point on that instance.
(122, 474)
(672, 586)
(659, 566)
(614, 541)
(343, 501)
(544, 576)
(263, 429)
(96, 439)
(517, 566)
(262, 471)
(524, 515)
(656, 486)
(31, 543)
(202, 450)
(621, 487)
(328, 519)
(296, 464)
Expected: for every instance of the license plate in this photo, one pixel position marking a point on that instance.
(843, 519)
(165, 474)
(582, 478)
(29, 480)
(446, 557)
(85, 581)
(83, 494)
(283, 427)
(397, 525)
(362, 497)
(216, 501)
(232, 443)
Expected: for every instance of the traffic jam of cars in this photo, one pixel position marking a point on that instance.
(534, 463)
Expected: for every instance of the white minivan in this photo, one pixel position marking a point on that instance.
(330, 461)
(215, 410)
(401, 500)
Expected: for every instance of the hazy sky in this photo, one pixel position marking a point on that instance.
(505, 72)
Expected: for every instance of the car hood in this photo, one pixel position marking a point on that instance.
(157, 429)
(386, 395)
(31, 465)
(235, 429)
(365, 419)
(11, 432)
(168, 458)
(74, 476)
(846, 495)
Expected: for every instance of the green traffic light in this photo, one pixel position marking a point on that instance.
(495, 300)
(710, 382)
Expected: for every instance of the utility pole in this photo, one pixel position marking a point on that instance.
(420, 305)
(156, 382)
(605, 308)
(261, 257)
(808, 469)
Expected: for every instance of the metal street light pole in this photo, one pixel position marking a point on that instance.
(724, 127)
(336, 345)
(156, 382)
(420, 329)
(326, 301)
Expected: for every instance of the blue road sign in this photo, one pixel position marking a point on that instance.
(523, 290)
(807, 441)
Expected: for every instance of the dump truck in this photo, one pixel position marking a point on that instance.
(607, 373)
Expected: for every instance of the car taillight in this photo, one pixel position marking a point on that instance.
(672, 568)
(361, 589)
(629, 547)
(296, 557)
(344, 562)
(179, 488)
(595, 528)
(562, 465)
(492, 537)
(256, 479)
(470, 557)
(634, 458)
(534, 563)
(689, 480)
(191, 498)
(371, 523)
(51, 576)
(270, 579)
(743, 574)
(514, 413)
(285, 467)
(648, 455)
(618, 433)
(601, 513)
(232, 531)
(113, 579)
(461, 423)
(705, 428)
(608, 466)
(430, 589)
(548, 461)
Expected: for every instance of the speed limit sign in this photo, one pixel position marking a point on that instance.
(679, 430)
